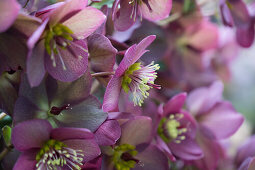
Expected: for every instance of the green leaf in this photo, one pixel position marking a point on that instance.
(7, 134)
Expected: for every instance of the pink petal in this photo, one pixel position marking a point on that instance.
(175, 104)
(71, 133)
(9, 10)
(31, 134)
(160, 9)
(69, 7)
(111, 97)
(85, 22)
(26, 160)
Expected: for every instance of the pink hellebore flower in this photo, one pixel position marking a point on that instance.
(129, 10)
(58, 45)
(43, 147)
(176, 130)
(132, 77)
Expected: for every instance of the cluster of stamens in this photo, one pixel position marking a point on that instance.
(55, 154)
(170, 129)
(138, 80)
(123, 157)
(59, 37)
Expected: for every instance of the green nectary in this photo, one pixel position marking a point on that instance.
(118, 157)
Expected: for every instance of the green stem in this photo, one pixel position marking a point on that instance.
(5, 152)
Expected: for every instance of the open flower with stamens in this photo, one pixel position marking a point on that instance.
(131, 76)
(45, 148)
(58, 45)
(130, 10)
(176, 130)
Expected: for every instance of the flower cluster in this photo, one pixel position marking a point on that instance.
(79, 88)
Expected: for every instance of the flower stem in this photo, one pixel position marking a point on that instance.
(100, 74)
(2, 115)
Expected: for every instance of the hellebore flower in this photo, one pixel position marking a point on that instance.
(133, 150)
(43, 147)
(131, 76)
(235, 13)
(176, 130)
(129, 10)
(58, 45)
(217, 119)
(9, 10)
(62, 104)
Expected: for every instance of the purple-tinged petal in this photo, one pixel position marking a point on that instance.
(151, 158)
(108, 133)
(70, 7)
(70, 92)
(89, 147)
(164, 148)
(246, 150)
(202, 99)
(31, 134)
(86, 114)
(94, 164)
(121, 17)
(9, 11)
(120, 115)
(136, 131)
(188, 149)
(35, 65)
(175, 104)
(71, 133)
(248, 164)
(85, 22)
(226, 15)
(245, 35)
(239, 13)
(133, 53)
(102, 53)
(45, 12)
(74, 59)
(26, 160)
(36, 35)
(222, 116)
(160, 9)
(112, 93)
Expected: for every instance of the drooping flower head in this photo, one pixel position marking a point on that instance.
(58, 45)
(129, 10)
(45, 148)
(131, 76)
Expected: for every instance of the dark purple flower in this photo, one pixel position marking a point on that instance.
(131, 76)
(43, 147)
(133, 150)
(64, 104)
(176, 130)
(58, 45)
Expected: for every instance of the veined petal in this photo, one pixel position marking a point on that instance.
(31, 134)
(160, 9)
(9, 10)
(85, 22)
(175, 104)
(26, 160)
(71, 133)
(69, 7)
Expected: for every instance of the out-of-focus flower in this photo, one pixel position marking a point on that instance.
(132, 77)
(62, 104)
(133, 150)
(248, 164)
(9, 10)
(58, 45)
(125, 16)
(217, 119)
(176, 130)
(235, 13)
(45, 148)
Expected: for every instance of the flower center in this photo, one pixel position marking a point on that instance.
(170, 129)
(123, 157)
(139, 79)
(57, 110)
(55, 154)
(56, 38)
